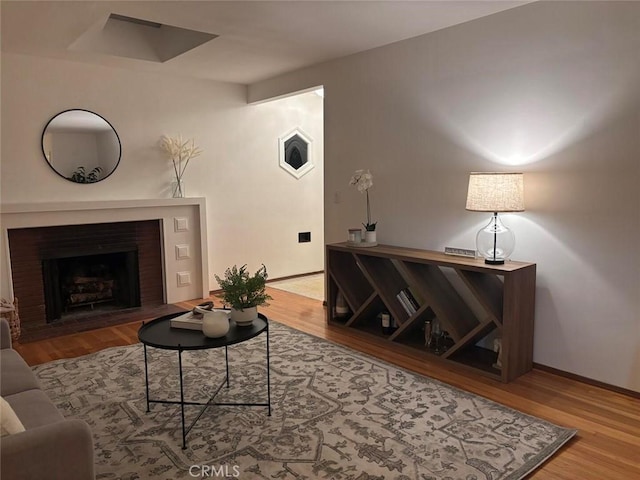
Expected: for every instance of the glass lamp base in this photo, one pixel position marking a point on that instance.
(495, 242)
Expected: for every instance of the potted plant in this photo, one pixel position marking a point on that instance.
(81, 176)
(363, 181)
(244, 293)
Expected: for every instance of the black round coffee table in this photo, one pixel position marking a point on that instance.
(160, 334)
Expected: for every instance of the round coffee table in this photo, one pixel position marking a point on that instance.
(160, 334)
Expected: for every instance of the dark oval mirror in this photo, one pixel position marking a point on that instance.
(81, 146)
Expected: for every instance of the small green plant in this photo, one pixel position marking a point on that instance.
(240, 290)
(81, 175)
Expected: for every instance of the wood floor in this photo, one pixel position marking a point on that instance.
(606, 447)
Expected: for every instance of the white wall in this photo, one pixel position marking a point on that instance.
(255, 209)
(551, 89)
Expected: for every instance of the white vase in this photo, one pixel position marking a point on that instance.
(370, 236)
(215, 323)
(342, 309)
(245, 317)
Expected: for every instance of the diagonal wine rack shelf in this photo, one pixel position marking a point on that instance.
(472, 302)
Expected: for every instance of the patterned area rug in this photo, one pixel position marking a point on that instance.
(336, 414)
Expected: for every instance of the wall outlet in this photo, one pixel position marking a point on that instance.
(304, 237)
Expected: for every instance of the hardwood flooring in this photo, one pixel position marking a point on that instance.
(607, 446)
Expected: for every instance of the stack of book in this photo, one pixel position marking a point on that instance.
(187, 321)
(408, 301)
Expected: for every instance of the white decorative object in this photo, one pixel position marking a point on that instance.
(385, 322)
(180, 224)
(182, 252)
(9, 422)
(460, 252)
(180, 152)
(298, 163)
(184, 278)
(245, 317)
(497, 347)
(342, 309)
(428, 333)
(9, 311)
(215, 323)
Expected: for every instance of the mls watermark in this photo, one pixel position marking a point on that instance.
(214, 471)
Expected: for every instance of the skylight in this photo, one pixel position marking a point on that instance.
(138, 38)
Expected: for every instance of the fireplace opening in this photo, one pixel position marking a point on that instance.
(81, 285)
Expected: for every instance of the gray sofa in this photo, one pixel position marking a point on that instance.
(51, 447)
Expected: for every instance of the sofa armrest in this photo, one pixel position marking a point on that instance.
(57, 450)
(5, 334)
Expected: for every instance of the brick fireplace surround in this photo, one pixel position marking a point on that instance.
(168, 234)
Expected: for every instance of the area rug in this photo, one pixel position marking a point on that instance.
(336, 414)
(311, 286)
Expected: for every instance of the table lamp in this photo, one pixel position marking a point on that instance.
(495, 192)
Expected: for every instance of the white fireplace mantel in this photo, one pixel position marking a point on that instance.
(183, 225)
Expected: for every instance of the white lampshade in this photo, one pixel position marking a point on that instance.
(495, 192)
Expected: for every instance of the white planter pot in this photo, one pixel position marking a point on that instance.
(370, 236)
(244, 318)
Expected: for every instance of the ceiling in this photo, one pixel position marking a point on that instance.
(255, 40)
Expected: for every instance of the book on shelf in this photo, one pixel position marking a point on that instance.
(412, 299)
(404, 301)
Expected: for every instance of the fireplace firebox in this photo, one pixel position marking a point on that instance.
(71, 277)
(78, 282)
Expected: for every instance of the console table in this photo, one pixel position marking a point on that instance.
(158, 333)
(470, 299)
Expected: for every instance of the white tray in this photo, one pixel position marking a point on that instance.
(361, 244)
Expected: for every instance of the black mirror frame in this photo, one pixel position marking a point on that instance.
(97, 115)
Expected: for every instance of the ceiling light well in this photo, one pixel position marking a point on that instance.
(140, 39)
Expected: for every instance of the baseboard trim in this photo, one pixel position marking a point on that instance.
(289, 277)
(587, 380)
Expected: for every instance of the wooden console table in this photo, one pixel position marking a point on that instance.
(469, 298)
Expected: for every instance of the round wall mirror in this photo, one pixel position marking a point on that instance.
(81, 146)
